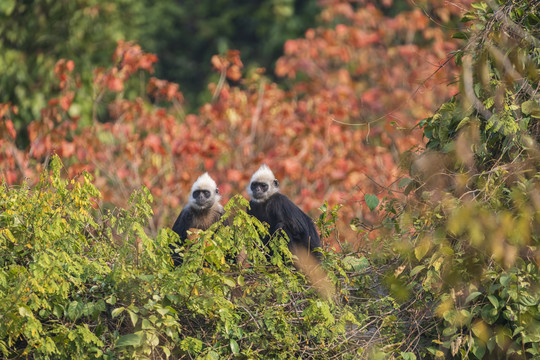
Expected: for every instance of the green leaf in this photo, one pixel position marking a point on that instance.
(24, 311)
(527, 300)
(463, 122)
(505, 279)
(372, 201)
(408, 356)
(130, 340)
(460, 35)
(449, 331)
(75, 310)
(117, 312)
(146, 324)
(493, 300)
(134, 317)
(478, 349)
(355, 263)
(489, 314)
(404, 182)
(229, 282)
(518, 330)
(422, 249)
(417, 269)
(531, 108)
(234, 346)
(212, 355)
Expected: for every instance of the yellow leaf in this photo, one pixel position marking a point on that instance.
(422, 249)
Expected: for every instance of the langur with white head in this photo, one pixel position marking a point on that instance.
(268, 205)
(202, 210)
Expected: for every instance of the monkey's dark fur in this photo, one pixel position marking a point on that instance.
(197, 219)
(269, 205)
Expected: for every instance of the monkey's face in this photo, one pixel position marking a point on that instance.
(204, 198)
(263, 184)
(261, 191)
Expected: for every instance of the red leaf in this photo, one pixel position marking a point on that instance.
(233, 73)
(67, 149)
(65, 102)
(234, 175)
(218, 62)
(10, 128)
(115, 84)
(70, 65)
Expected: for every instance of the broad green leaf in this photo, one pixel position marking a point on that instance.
(240, 280)
(422, 249)
(417, 269)
(212, 355)
(493, 300)
(478, 349)
(372, 201)
(117, 312)
(229, 282)
(146, 325)
(234, 346)
(404, 182)
(532, 108)
(134, 317)
(355, 263)
(24, 311)
(460, 35)
(130, 340)
(408, 356)
(75, 310)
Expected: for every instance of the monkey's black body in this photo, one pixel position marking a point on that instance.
(280, 213)
(197, 219)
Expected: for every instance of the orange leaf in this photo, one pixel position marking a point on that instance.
(115, 84)
(68, 148)
(218, 62)
(65, 103)
(234, 175)
(10, 128)
(233, 73)
(70, 65)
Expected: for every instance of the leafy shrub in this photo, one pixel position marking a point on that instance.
(79, 281)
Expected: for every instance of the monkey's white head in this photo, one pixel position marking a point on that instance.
(204, 193)
(263, 184)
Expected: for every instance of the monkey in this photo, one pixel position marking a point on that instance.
(203, 210)
(268, 205)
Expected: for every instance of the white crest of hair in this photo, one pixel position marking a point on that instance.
(205, 182)
(264, 175)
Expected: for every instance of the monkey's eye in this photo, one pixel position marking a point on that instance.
(204, 193)
(259, 185)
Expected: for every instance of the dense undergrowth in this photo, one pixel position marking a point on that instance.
(77, 281)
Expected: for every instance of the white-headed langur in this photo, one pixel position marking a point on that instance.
(268, 205)
(202, 210)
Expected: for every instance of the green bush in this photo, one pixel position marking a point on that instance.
(78, 281)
